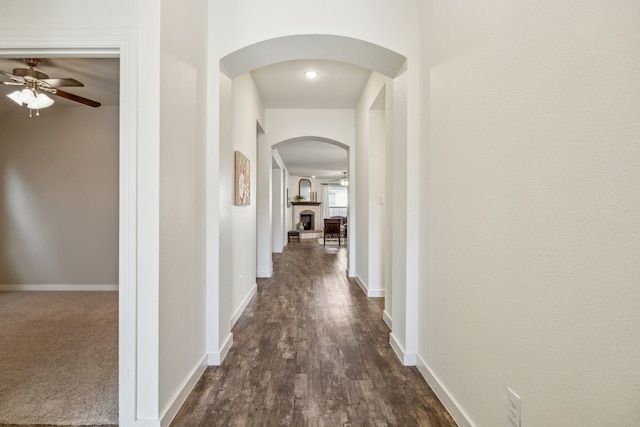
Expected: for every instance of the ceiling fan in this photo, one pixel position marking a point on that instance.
(344, 180)
(37, 84)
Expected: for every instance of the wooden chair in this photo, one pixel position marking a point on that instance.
(343, 227)
(332, 230)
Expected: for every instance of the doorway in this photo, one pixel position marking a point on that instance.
(108, 44)
(59, 265)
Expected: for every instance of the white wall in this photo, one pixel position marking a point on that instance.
(371, 139)
(60, 198)
(402, 337)
(389, 218)
(375, 201)
(247, 113)
(264, 210)
(182, 201)
(277, 208)
(284, 211)
(284, 124)
(360, 227)
(232, 268)
(219, 198)
(531, 242)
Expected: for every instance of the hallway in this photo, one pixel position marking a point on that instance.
(311, 350)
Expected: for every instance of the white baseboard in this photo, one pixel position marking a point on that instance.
(141, 422)
(215, 359)
(375, 293)
(183, 393)
(443, 394)
(244, 304)
(264, 274)
(387, 319)
(59, 287)
(371, 293)
(361, 284)
(407, 359)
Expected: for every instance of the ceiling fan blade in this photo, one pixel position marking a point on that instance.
(29, 72)
(17, 79)
(12, 83)
(62, 82)
(76, 98)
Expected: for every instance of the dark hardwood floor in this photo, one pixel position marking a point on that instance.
(311, 350)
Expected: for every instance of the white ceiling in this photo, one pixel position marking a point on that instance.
(338, 85)
(283, 85)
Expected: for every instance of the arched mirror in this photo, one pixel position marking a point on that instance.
(304, 189)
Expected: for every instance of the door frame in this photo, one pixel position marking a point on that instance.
(122, 44)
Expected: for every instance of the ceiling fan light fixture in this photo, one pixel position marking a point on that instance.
(27, 96)
(35, 82)
(15, 97)
(41, 101)
(344, 181)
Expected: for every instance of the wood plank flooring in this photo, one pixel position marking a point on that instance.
(311, 350)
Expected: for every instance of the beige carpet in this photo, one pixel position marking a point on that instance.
(59, 358)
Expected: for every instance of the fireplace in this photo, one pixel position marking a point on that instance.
(307, 218)
(310, 215)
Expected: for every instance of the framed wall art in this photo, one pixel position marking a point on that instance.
(243, 180)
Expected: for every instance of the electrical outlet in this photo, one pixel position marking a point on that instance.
(513, 407)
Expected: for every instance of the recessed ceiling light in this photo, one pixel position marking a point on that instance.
(311, 74)
(313, 176)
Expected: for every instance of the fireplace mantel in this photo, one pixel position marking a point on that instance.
(303, 203)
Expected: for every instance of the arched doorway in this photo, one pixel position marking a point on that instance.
(327, 158)
(235, 69)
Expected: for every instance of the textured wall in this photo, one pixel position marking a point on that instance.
(371, 140)
(247, 112)
(531, 164)
(59, 216)
(182, 230)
